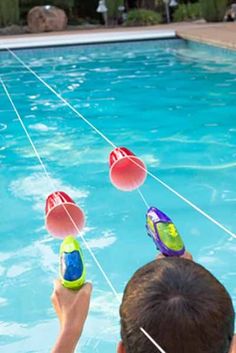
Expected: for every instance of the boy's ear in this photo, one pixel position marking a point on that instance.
(121, 348)
(233, 345)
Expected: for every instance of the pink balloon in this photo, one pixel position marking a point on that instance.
(63, 216)
(127, 171)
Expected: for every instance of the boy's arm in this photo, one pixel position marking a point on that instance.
(66, 343)
(72, 309)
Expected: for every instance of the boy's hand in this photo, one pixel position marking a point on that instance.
(186, 255)
(71, 307)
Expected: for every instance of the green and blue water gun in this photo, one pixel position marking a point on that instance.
(72, 267)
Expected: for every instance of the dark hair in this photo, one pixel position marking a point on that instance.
(181, 305)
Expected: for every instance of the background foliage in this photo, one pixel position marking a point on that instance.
(15, 11)
(213, 10)
(143, 17)
(188, 12)
(9, 12)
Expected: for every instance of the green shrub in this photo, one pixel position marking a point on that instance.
(214, 10)
(112, 6)
(143, 17)
(188, 12)
(9, 12)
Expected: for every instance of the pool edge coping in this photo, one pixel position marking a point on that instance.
(82, 39)
(207, 41)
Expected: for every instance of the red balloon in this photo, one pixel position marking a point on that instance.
(63, 216)
(127, 171)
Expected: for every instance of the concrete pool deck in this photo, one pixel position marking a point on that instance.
(218, 34)
(221, 35)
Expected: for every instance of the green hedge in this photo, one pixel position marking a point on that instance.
(188, 12)
(112, 6)
(143, 17)
(214, 10)
(9, 12)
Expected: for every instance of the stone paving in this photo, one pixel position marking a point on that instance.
(223, 35)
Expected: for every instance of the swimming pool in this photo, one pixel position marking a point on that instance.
(172, 103)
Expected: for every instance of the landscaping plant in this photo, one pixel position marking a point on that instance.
(142, 17)
(9, 12)
(188, 12)
(213, 10)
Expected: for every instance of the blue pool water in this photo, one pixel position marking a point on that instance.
(173, 104)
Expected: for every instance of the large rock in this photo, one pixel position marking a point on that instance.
(46, 19)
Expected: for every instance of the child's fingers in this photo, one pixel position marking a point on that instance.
(56, 289)
(82, 303)
(84, 294)
(87, 287)
(187, 256)
(160, 256)
(56, 305)
(57, 285)
(59, 289)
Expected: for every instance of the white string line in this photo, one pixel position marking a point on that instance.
(72, 108)
(195, 207)
(25, 130)
(63, 100)
(53, 187)
(198, 209)
(68, 213)
(152, 340)
(143, 198)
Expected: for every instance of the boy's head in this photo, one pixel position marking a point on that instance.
(181, 305)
